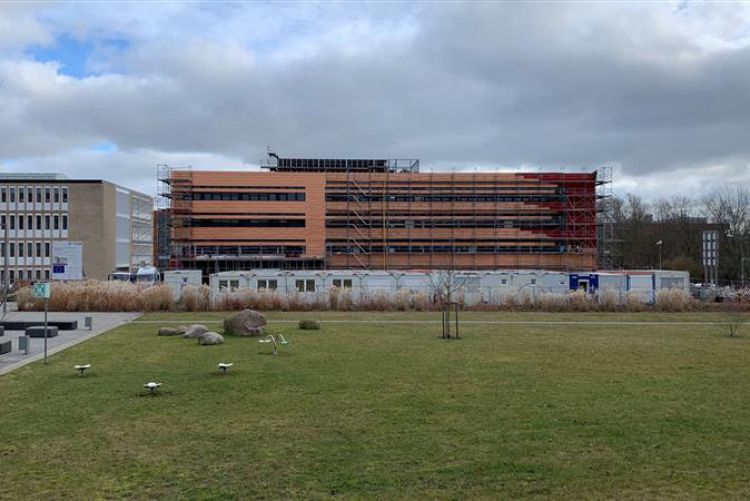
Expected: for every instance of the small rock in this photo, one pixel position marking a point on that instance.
(208, 338)
(245, 323)
(195, 330)
(169, 331)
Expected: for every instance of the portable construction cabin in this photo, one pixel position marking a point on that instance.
(177, 280)
(672, 279)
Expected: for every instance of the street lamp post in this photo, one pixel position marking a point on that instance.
(659, 245)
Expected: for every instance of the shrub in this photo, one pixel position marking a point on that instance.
(672, 300)
(309, 325)
(195, 298)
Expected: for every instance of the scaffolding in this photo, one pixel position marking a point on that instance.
(141, 230)
(384, 214)
(607, 250)
(174, 217)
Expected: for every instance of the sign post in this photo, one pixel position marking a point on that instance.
(42, 290)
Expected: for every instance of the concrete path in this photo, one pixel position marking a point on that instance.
(103, 322)
(468, 322)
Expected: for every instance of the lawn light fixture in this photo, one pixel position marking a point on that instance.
(152, 386)
(276, 339)
(270, 339)
(82, 368)
(224, 366)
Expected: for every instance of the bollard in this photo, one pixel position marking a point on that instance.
(23, 344)
(88, 322)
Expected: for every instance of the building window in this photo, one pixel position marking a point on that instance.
(57, 195)
(57, 222)
(30, 249)
(21, 192)
(533, 281)
(229, 285)
(268, 285)
(20, 222)
(38, 195)
(38, 249)
(3, 194)
(20, 274)
(46, 222)
(12, 222)
(38, 274)
(3, 221)
(29, 222)
(65, 222)
(38, 222)
(11, 275)
(2, 250)
(12, 249)
(46, 274)
(346, 283)
(46, 195)
(65, 195)
(12, 190)
(30, 196)
(46, 249)
(305, 285)
(20, 249)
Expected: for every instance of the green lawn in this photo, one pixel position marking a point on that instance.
(388, 411)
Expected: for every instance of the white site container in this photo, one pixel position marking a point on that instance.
(177, 280)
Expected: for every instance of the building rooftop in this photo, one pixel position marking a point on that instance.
(275, 163)
(32, 176)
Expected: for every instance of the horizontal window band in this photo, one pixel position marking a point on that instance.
(247, 223)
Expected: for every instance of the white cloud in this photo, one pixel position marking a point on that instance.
(658, 90)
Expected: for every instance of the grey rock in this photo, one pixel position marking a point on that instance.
(195, 330)
(169, 331)
(183, 329)
(209, 338)
(245, 323)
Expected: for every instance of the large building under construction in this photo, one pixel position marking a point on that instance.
(309, 213)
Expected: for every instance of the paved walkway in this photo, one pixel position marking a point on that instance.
(103, 322)
(480, 322)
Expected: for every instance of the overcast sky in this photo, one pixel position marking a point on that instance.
(658, 90)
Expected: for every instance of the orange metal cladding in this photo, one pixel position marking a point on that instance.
(476, 230)
(312, 210)
(388, 220)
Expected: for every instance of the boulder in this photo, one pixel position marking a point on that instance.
(182, 328)
(195, 330)
(169, 331)
(208, 338)
(245, 323)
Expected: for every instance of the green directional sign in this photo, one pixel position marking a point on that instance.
(42, 290)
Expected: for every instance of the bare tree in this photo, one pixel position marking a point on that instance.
(729, 207)
(445, 286)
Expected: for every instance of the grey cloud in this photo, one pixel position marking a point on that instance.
(491, 84)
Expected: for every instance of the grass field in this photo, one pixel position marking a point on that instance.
(388, 411)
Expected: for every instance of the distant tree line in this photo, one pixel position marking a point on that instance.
(678, 223)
